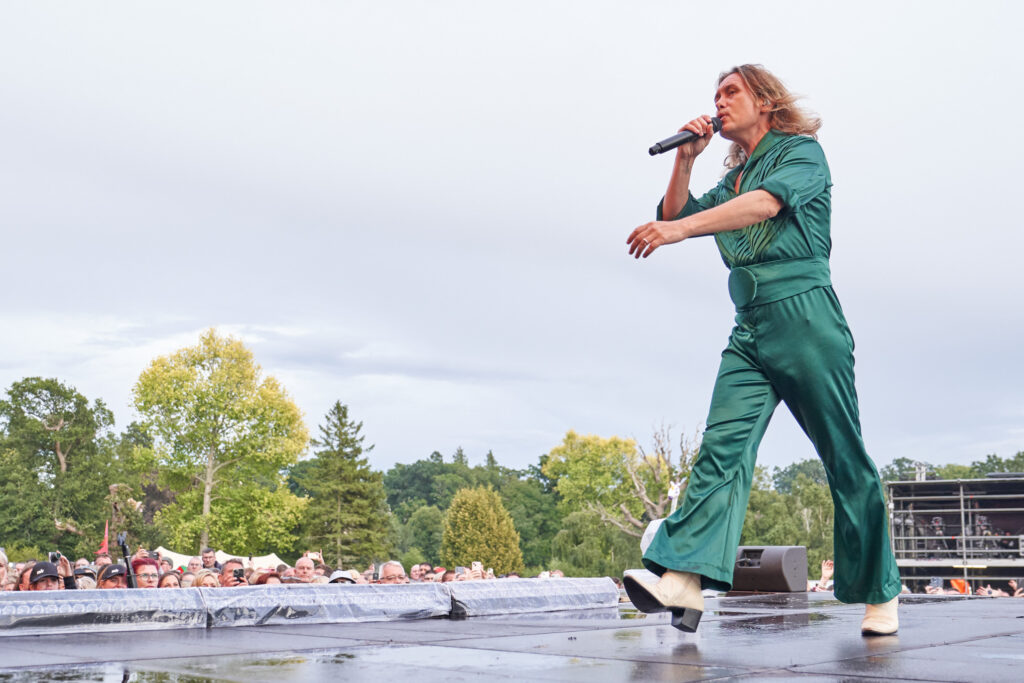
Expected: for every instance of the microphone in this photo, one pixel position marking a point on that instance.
(682, 138)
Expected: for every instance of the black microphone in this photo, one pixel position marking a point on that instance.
(682, 138)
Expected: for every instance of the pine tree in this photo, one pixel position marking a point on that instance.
(347, 514)
(478, 527)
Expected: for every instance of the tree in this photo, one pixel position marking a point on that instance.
(56, 465)
(902, 469)
(811, 468)
(479, 528)
(223, 433)
(347, 515)
(586, 546)
(613, 477)
(425, 530)
(429, 481)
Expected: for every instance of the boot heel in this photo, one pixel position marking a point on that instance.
(686, 619)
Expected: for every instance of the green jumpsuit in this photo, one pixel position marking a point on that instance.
(790, 343)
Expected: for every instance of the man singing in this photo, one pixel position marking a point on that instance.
(770, 216)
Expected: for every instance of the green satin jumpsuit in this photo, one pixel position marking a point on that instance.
(790, 343)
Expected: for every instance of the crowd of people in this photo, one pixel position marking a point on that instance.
(937, 586)
(150, 570)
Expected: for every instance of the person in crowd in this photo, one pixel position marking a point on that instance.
(368, 574)
(147, 572)
(206, 578)
(112, 576)
(228, 578)
(24, 575)
(194, 564)
(1016, 590)
(169, 580)
(187, 579)
(210, 560)
(281, 568)
(102, 559)
(320, 580)
(448, 576)
(346, 576)
(166, 565)
(46, 576)
(557, 574)
(305, 569)
(85, 583)
(81, 562)
(321, 569)
(3, 567)
(268, 579)
(825, 582)
(415, 574)
(84, 576)
(10, 585)
(392, 572)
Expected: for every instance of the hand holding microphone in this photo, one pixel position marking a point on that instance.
(698, 131)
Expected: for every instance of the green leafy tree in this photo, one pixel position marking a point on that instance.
(993, 463)
(479, 528)
(783, 478)
(769, 519)
(536, 516)
(223, 433)
(624, 485)
(586, 546)
(426, 531)
(953, 471)
(902, 469)
(56, 465)
(429, 481)
(347, 514)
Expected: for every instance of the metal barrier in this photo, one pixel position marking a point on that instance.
(37, 613)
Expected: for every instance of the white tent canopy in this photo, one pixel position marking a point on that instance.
(270, 561)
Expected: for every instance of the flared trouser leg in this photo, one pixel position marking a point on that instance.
(798, 350)
(702, 535)
(817, 385)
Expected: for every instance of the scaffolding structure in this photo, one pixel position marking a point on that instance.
(970, 529)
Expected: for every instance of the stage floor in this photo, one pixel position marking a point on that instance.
(804, 636)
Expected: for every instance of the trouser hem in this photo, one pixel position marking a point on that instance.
(889, 591)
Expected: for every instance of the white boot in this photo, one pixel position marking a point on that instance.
(881, 619)
(675, 592)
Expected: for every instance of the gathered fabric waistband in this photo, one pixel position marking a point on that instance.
(763, 283)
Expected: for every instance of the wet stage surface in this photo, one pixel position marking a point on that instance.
(802, 636)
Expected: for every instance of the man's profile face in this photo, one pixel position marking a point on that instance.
(304, 569)
(209, 559)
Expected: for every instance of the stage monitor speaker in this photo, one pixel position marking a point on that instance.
(770, 568)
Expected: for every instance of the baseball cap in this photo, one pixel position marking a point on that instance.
(41, 570)
(87, 570)
(111, 571)
(343, 576)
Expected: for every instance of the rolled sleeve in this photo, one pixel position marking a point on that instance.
(800, 176)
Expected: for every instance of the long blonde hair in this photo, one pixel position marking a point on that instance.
(785, 116)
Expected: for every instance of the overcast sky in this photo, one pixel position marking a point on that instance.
(420, 209)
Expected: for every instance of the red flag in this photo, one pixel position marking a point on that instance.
(106, 539)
